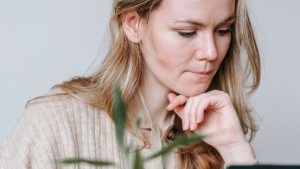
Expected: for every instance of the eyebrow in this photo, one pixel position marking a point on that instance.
(197, 23)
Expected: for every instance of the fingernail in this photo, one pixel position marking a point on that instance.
(195, 126)
(185, 126)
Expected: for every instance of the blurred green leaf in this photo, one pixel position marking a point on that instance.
(138, 121)
(179, 141)
(91, 162)
(119, 116)
(138, 161)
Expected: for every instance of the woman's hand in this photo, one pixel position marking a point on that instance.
(213, 113)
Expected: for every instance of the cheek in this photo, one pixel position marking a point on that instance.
(223, 46)
(168, 52)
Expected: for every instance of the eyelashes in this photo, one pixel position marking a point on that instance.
(220, 32)
(187, 34)
(224, 31)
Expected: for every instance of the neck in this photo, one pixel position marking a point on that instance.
(155, 100)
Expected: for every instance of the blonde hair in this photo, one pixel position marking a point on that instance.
(123, 62)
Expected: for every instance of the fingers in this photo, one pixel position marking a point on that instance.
(196, 112)
(192, 110)
(171, 96)
(193, 114)
(175, 101)
(185, 115)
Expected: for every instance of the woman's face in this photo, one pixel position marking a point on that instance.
(184, 43)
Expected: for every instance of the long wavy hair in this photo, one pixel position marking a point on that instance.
(238, 75)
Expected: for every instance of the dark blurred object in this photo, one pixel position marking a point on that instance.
(265, 167)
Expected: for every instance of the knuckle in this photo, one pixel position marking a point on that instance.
(182, 99)
(225, 95)
(215, 91)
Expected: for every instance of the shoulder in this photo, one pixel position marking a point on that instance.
(63, 118)
(54, 126)
(56, 101)
(58, 106)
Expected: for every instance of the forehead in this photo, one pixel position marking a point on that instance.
(209, 11)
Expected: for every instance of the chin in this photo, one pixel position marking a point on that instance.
(189, 88)
(190, 92)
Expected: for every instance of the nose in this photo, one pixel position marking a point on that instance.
(206, 48)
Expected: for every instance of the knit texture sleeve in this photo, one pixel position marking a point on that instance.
(56, 128)
(30, 145)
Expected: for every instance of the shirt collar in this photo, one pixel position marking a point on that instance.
(147, 125)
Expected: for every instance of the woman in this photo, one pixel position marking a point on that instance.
(178, 61)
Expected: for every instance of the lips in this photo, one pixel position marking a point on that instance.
(201, 72)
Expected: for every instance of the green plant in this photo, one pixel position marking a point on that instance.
(119, 118)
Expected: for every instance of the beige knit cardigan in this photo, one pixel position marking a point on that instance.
(59, 127)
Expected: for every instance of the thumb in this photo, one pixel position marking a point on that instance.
(171, 96)
(177, 102)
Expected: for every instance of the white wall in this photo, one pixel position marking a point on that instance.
(45, 42)
(277, 100)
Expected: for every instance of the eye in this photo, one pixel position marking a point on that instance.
(224, 31)
(187, 34)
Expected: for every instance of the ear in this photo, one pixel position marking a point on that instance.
(131, 25)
